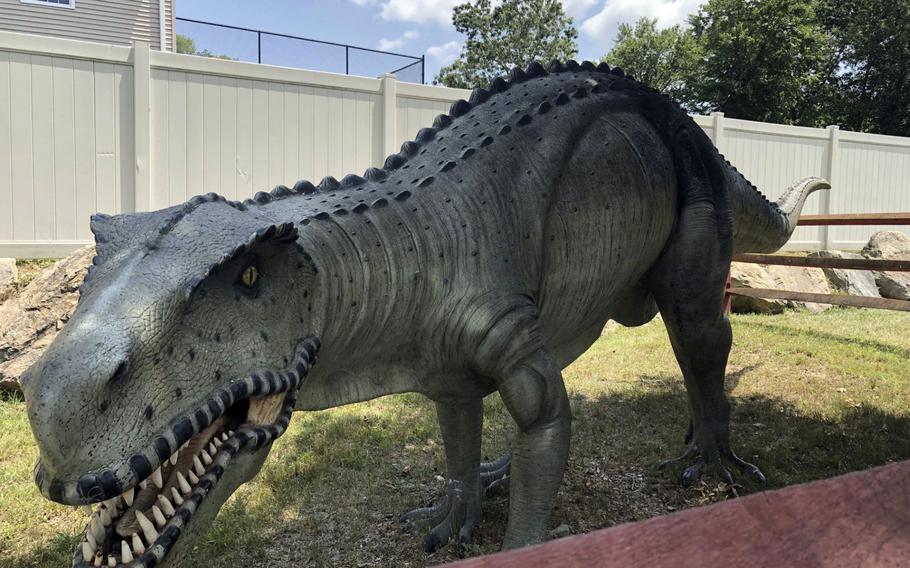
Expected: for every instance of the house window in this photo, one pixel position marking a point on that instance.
(57, 3)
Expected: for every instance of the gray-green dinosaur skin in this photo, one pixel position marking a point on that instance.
(486, 256)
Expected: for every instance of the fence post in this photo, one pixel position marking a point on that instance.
(141, 198)
(717, 122)
(825, 196)
(389, 88)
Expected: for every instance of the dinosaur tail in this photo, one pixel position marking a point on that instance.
(762, 226)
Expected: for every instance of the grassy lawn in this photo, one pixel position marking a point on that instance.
(813, 396)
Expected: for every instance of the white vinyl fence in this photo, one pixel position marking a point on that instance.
(88, 127)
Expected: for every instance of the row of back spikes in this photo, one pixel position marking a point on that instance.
(410, 148)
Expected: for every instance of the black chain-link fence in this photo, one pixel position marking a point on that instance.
(243, 44)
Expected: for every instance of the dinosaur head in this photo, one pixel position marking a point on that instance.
(177, 370)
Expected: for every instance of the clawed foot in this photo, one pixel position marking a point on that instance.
(456, 515)
(459, 512)
(712, 461)
(495, 475)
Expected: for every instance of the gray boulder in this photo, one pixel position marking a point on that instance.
(748, 275)
(8, 276)
(890, 245)
(30, 320)
(852, 282)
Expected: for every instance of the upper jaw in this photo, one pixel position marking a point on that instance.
(110, 482)
(204, 443)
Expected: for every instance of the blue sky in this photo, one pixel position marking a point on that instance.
(416, 27)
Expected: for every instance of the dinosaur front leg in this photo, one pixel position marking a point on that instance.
(534, 394)
(461, 422)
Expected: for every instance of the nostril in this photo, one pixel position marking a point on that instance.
(119, 373)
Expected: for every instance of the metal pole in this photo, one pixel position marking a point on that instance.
(423, 69)
(347, 61)
(259, 47)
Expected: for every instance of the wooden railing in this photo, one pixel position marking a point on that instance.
(818, 262)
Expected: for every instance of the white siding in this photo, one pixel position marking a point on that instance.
(68, 139)
(109, 21)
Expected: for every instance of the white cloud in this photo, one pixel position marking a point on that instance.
(602, 26)
(445, 53)
(418, 11)
(397, 43)
(574, 8)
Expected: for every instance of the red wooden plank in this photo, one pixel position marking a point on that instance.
(818, 262)
(856, 219)
(833, 299)
(858, 519)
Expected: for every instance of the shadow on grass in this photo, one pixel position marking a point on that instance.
(332, 490)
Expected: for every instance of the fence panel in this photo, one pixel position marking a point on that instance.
(88, 127)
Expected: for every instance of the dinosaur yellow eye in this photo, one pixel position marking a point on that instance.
(249, 276)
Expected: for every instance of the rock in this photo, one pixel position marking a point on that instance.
(561, 531)
(30, 320)
(797, 279)
(8, 276)
(890, 245)
(852, 282)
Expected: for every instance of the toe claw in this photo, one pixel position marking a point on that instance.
(432, 543)
(691, 474)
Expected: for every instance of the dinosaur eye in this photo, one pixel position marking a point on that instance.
(250, 276)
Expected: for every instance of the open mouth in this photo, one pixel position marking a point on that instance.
(140, 526)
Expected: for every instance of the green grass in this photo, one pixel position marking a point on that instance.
(28, 269)
(813, 396)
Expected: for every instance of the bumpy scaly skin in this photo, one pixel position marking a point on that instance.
(486, 256)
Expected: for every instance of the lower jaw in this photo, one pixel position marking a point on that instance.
(104, 543)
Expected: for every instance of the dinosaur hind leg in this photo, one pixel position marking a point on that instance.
(688, 283)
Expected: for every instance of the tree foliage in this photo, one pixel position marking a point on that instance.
(186, 44)
(663, 59)
(764, 60)
(873, 41)
(502, 34)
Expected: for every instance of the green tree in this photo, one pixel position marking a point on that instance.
(662, 59)
(767, 60)
(873, 40)
(502, 34)
(187, 45)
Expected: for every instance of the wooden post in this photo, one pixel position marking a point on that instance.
(141, 200)
(389, 116)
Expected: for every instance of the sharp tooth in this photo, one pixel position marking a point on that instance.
(156, 478)
(126, 555)
(111, 561)
(128, 496)
(174, 457)
(87, 509)
(224, 437)
(197, 465)
(217, 442)
(143, 483)
(113, 504)
(91, 540)
(105, 516)
(98, 558)
(165, 505)
(137, 544)
(193, 479)
(213, 449)
(158, 516)
(148, 529)
(175, 495)
(206, 458)
(97, 529)
(88, 551)
(184, 486)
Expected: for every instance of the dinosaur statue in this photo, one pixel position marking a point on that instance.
(486, 256)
